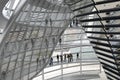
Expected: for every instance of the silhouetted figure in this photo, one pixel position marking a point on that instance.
(73, 21)
(70, 25)
(46, 41)
(51, 61)
(68, 56)
(32, 42)
(37, 60)
(111, 35)
(65, 57)
(71, 57)
(60, 41)
(107, 28)
(46, 21)
(43, 60)
(50, 21)
(61, 58)
(77, 22)
(107, 13)
(107, 21)
(57, 58)
(77, 55)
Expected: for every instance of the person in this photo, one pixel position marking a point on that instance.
(46, 21)
(111, 36)
(64, 57)
(46, 41)
(107, 28)
(43, 60)
(61, 58)
(40, 61)
(70, 25)
(77, 22)
(71, 57)
(37, 60)
(50, 21)
(32, 42)
(73, 21)
(68, 56)
(60, 40)
(57, 58)
(51, 61)
(77, 55)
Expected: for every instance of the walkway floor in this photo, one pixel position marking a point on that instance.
(78, 76)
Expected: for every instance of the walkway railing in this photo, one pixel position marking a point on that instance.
(81, 66)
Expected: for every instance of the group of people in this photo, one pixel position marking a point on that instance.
(75, 22)
(60, 58)
(65, 57)
(48, 21)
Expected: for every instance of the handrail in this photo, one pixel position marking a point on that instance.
(52, 71)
